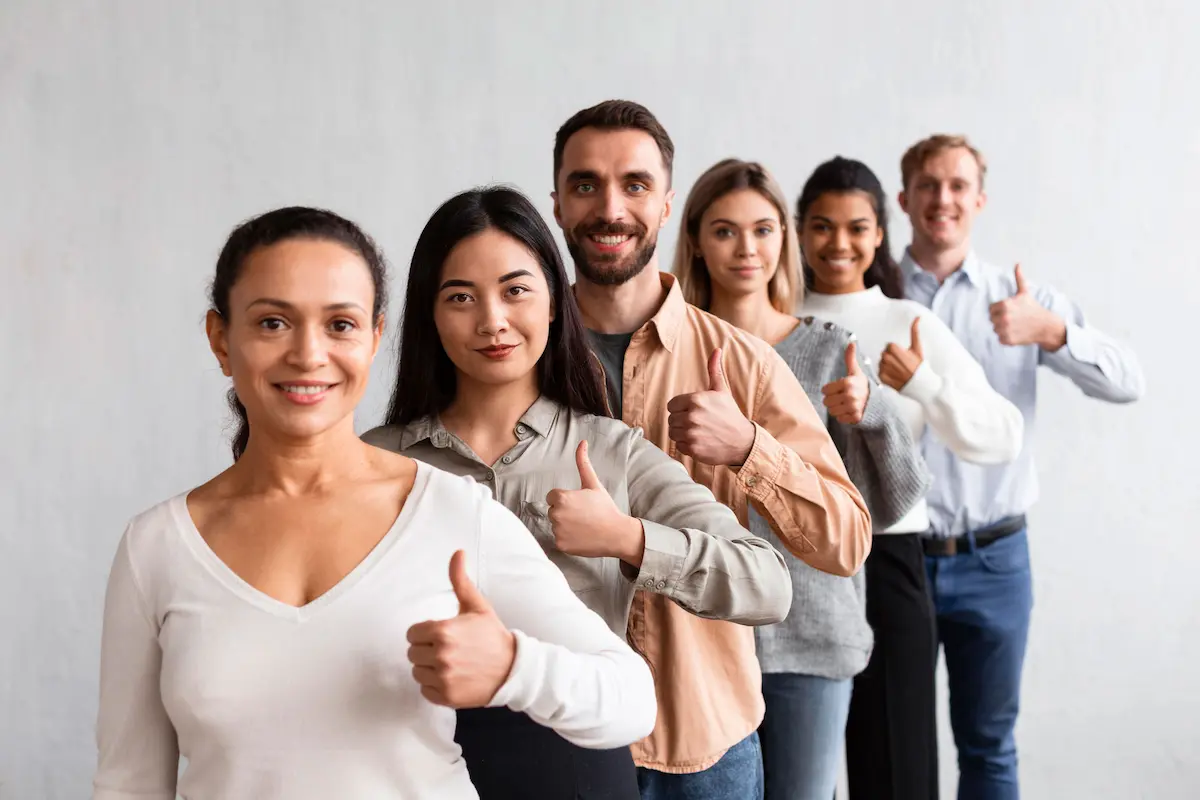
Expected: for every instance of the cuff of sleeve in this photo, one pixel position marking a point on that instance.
(662, 559)
(924, 385)
(756, 477)
(1080, 346)
(518, 689)
(876, 415)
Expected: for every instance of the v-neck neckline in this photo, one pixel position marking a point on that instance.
(246, 591)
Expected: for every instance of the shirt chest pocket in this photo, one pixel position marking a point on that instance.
(584, 575)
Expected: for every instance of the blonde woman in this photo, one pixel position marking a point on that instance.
(738, 258)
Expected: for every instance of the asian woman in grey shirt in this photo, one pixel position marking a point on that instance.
(737, 257)
(496, 383)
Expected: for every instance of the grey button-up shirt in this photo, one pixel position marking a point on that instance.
(696, 552)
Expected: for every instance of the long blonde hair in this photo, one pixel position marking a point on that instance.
(785, 288)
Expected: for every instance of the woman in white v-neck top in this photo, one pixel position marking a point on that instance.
(939, 390)
(305, 624)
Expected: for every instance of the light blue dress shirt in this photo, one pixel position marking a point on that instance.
(968, 496)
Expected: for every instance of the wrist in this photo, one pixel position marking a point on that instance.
(1054, 336)
(510, 653)
(633, 541)
(744, 455)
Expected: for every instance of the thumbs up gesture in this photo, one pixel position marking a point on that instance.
(586, 522)
(463, 661)
(1021, 319)
(897, 364)
(846, 398)
(708, 425)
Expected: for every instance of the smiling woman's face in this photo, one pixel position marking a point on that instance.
(740, 239)
(839, 237)
(493, 309)
(298, 339)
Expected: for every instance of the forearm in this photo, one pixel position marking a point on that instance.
(1101, 367)
(598, 699)
(972, 419)
(738, 578)
(570, 672)
(805, 495)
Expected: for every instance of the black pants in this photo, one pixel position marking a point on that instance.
(891, 734)
(511, 757)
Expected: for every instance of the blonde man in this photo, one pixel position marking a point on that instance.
(977, 556)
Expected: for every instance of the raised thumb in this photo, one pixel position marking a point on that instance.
(916, 337)
(716, 373)
(470, 599)
(1020, 276)
(587, 476)
(852, 367)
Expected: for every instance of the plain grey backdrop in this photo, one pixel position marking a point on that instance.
(135, 134)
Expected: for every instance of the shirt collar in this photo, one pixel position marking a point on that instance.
(539, 418)
(541, 415)
(670, 316)
(970, 268)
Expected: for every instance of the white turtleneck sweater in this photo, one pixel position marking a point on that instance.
(949, 394)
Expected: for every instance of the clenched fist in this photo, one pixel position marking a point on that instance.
(586, 521)
(1021, 319)
(898, 364)
(463, 661)
(847, 397)
(708, 425)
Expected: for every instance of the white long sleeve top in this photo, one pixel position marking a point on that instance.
(949, 393)
(266, 700)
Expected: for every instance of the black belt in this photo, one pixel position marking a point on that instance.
(953, 545)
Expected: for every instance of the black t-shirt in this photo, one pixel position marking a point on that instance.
(610, 349)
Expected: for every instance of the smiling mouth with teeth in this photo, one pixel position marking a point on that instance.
(311, 389)
(610, 241)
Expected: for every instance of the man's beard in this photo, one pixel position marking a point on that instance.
(611, 270)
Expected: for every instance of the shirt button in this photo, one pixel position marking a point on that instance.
(507, 459)
(522, 430)
(662, 585)
(649, 584)
(752, 480)
(490, 476)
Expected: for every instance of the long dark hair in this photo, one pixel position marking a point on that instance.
(426, 380)
(841, 175)
(282, 224)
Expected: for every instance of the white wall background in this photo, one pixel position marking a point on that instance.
(135, 134)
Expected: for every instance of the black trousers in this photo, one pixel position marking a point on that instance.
(891, 733)
(511, 757)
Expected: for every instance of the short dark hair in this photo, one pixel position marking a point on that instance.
(842, 176)
(273, 227)
(615, 115)
(426, 380)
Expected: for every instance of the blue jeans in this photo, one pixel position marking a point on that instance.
(983, 599)
(737, 776)
(802, 735)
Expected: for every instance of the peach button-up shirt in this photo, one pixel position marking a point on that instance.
(707, 676)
